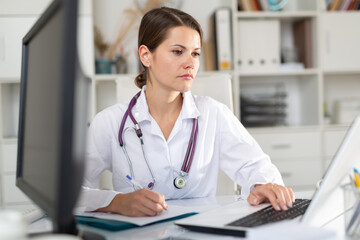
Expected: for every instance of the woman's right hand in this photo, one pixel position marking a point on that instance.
(140, 203)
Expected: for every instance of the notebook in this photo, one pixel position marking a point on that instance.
(324, 206)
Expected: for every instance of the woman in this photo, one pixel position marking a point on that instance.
(186, 138)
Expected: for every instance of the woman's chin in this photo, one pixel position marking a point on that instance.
(185, 89)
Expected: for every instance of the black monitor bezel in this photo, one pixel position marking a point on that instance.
(60, 211)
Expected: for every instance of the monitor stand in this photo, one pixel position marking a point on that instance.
(91, 236)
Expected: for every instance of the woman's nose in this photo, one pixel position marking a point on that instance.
(189, 62)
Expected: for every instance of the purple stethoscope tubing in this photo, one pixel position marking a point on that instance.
(189, 152)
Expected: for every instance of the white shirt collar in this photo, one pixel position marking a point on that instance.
(189, 108)
(141, 109)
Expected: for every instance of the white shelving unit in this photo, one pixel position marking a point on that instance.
(16, 19)
(304, 147)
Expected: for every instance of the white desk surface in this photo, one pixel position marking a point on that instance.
(165, 230)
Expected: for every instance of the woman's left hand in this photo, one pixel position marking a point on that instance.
(279, 196)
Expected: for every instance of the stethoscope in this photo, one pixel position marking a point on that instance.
(180, 181)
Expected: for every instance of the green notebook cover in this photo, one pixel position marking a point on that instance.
(114, 225)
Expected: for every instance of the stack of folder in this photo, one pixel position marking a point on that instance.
(264, 109)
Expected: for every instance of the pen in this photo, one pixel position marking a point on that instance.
(135, 183)
(357, 178)
(138, 185)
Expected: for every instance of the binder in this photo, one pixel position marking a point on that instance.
(114, 225)
(223, 43)
(259, 45)
(303, 41)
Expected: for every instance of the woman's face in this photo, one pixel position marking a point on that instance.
(175, 62)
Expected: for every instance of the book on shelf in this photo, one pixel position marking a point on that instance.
(357, 6)
(303, 41)
(264, 5)
(352, 5)
(335, 4)
(342, 5)
(209, 48)
(255, 5)
(346, 4)
(260, 5)
(209, 55)
(245, 5)
(222, 35)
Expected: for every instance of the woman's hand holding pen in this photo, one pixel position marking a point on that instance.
(143, 202)
(279, 196)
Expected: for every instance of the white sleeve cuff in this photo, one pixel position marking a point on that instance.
(245, 191)
(93, 199)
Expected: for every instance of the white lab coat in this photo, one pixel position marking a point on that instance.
(222, 142)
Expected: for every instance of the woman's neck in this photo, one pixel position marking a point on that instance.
(164, 107)
(162, 102)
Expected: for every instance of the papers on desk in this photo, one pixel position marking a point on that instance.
(173, 211)
(176, 209)
(288, 229)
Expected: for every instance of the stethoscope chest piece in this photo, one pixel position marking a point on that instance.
(179, 182)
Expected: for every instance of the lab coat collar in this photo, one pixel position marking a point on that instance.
(189, 109)
(141, 109)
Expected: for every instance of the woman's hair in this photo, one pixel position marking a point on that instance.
(154, 27)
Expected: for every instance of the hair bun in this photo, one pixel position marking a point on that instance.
(140, 79)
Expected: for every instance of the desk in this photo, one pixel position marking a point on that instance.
(168, 230)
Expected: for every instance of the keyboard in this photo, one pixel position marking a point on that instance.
(270, 215)
(32, 214)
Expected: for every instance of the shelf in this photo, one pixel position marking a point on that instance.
(9, 104)
(277, 15)
(107, 77)
(341, 12)
(9, 80)
(285, 129)
(342, 72)
(304, 72)
(10, 140)
(332, 127)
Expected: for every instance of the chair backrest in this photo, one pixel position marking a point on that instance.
(215, 85)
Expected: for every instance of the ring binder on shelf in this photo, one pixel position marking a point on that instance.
(223, 43)
(259, 45)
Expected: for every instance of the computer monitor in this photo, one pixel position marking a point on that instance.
(53, 115)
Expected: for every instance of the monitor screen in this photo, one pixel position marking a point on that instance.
(53, 115)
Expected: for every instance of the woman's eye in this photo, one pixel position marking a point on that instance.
(196, 54)
(177, 52)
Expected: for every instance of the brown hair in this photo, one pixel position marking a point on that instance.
(154, 27)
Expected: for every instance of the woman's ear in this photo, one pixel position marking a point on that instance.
(145, 55)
